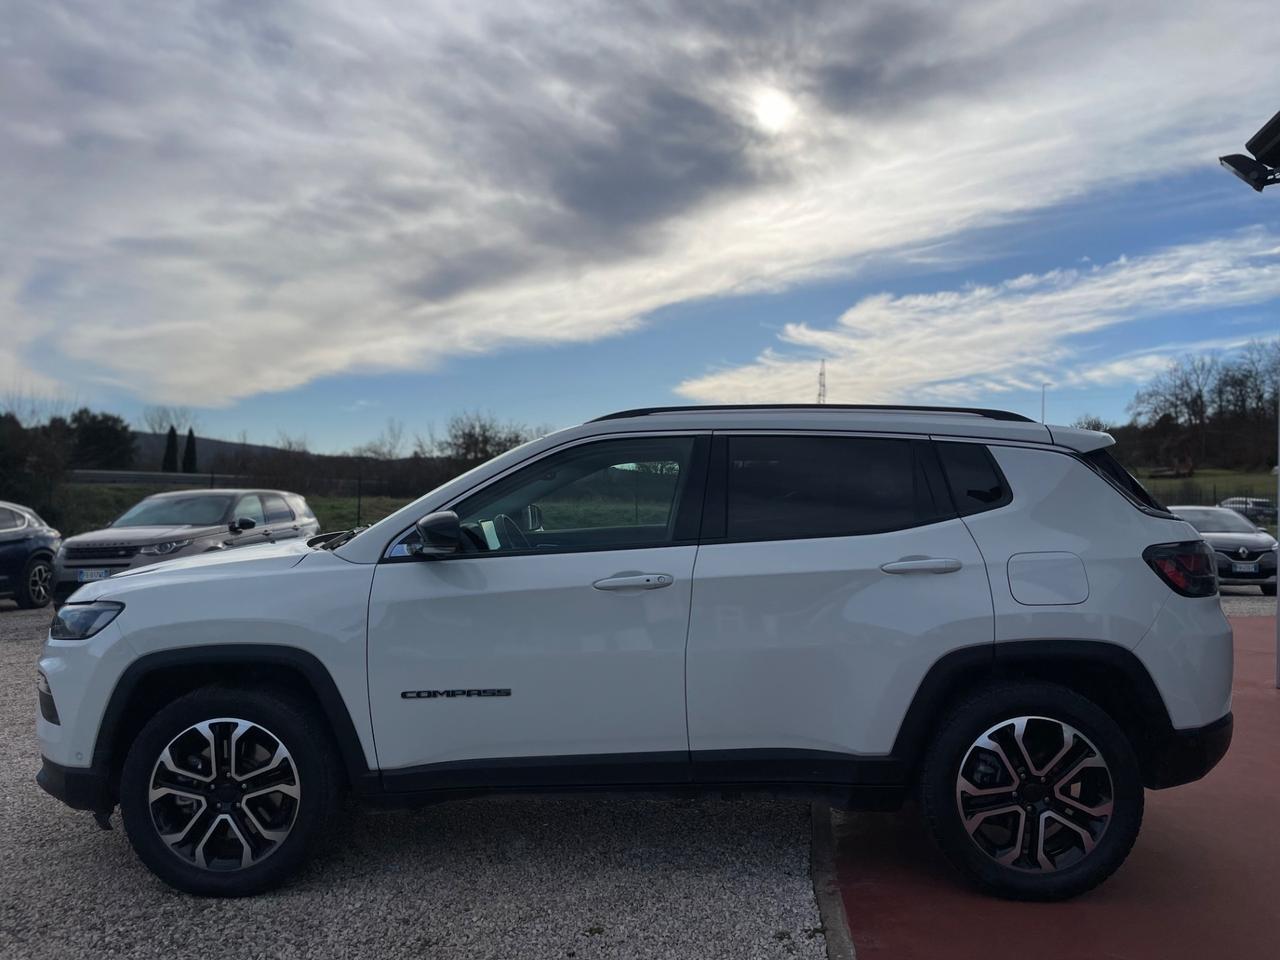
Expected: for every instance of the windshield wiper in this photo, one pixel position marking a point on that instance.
(335, 540)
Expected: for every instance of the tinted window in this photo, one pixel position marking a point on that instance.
(794, 487)
(1107, 465)
(975, 480)
(277, 510)
(197, 509)
(9, 520)
(615, 493)
(251, 507)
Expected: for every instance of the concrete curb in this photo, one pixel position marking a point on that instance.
(826, 890)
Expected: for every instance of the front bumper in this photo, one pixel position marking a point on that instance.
(1183, 756)
(81, 788)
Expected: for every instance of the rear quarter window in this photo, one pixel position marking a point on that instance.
(1109, 468)
(973, 477)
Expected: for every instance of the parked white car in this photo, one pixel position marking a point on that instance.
(844, 603)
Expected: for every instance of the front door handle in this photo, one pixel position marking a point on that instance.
(923, 565)
(639, 581)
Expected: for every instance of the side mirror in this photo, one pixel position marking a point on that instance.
(244, 523)
(532, 517)
(441, 535)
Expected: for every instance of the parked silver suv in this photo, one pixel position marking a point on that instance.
(180, 524)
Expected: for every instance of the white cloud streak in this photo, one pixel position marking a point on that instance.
(956, 345)
(202, 202)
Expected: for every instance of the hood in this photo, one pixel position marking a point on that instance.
(240, 562)
(136, 536)
(1227, 542)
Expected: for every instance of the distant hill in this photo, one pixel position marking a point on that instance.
(149, 450)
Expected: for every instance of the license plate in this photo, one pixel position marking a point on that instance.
(85, 575)
(1244, 568)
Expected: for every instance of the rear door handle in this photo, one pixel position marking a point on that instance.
(639, 581)
(924, 565)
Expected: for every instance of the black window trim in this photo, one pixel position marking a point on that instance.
(688, 518)
(717, 500)
(1133, 501)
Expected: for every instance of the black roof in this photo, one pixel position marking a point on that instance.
(886, 407)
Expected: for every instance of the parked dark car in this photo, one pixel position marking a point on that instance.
(1246, 556)
(27, 549)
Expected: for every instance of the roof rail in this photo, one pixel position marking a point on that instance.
(884, 407)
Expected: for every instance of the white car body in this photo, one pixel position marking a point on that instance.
(778, 662)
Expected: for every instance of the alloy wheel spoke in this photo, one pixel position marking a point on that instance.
(228, 818)
(1028, 835)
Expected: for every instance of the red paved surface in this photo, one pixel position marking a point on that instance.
(1203, 880)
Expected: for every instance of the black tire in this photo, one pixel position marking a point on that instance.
(35, 589)
(1268, 589)
(1082, 864)
(315, 773)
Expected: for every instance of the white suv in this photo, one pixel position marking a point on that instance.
(846, 603)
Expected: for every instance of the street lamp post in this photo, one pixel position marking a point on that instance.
(1262, 170)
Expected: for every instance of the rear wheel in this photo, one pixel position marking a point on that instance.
(1033, 792)
(225, 791)
(35, 590)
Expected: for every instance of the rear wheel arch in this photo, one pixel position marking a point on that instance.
(157, 679)
(1110, 676)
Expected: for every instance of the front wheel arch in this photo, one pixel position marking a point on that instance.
(156, 679)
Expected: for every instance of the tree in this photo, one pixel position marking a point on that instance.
(170, 462)
(189, 452)
(476, 437)
(102, 440)
(1088, 421)
(388, 445)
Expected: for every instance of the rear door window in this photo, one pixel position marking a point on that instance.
(795, 487)
(277, 510)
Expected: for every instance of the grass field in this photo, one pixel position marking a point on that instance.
(1209, 486)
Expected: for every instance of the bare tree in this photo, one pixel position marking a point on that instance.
(1089, 422)
(158, 419)
(388, 445)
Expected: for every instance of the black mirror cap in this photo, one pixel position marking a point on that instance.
(440, 533)
(244, 523)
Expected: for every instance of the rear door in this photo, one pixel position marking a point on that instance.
(14, 534)
(281, 523)
(833, 573)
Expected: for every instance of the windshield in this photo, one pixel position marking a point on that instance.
(199, 510)
(1216, 521)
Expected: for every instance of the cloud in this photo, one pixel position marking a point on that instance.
(957, 345)
(205, 201)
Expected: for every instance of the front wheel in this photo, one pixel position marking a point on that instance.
(1033, 792)
(225, 791)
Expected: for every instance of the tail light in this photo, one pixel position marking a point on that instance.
(1188, 568)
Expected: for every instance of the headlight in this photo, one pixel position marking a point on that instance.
(80, 621)
(160, 549)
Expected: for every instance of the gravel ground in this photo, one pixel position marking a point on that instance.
(532, 878)
(1247, 602)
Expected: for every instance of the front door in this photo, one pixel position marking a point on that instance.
(551, 651)
(833, 573)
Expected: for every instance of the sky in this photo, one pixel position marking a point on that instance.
(308, 217)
